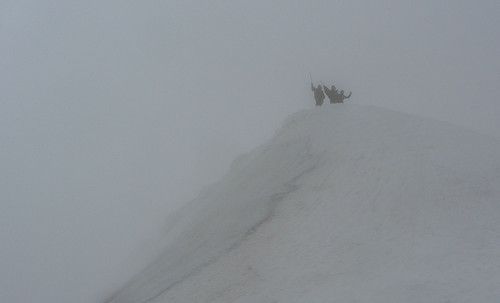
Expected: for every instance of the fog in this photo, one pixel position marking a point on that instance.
(114, 114)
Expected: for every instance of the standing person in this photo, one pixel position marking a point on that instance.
(342, 97)
(331, 93)
(319, 95)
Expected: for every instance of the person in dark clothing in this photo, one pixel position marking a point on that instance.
(331, 93)
(341, 97)
(319, 95)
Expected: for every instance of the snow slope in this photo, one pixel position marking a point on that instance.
(346, 203)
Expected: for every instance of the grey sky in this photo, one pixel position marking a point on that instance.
(115, 113)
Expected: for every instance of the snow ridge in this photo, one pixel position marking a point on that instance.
(224, 213)
(345, 203)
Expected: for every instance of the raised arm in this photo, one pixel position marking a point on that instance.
(326, 89)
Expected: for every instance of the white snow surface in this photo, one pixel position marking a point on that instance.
(346, 203)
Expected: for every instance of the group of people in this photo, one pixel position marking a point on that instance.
(333, 94)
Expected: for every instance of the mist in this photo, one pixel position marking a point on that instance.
(115, 114)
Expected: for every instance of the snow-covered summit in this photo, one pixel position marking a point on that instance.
(346, 203)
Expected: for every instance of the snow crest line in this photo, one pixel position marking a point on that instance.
(224, 215)
(346, 203)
